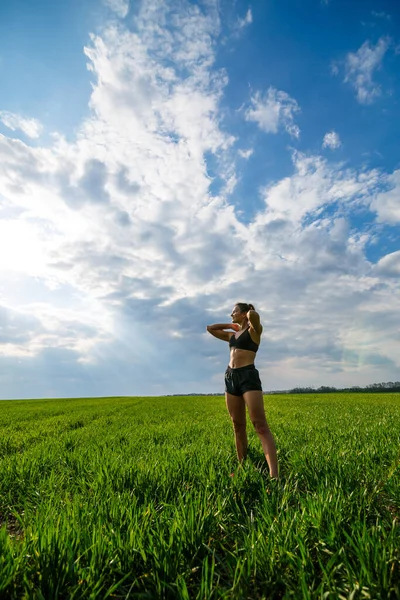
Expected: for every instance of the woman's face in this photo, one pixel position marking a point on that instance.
(236, 315)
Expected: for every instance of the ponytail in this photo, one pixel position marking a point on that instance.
(245, 307)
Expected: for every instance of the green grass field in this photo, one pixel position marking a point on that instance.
(133, 498)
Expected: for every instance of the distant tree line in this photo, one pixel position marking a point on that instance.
(388, 386)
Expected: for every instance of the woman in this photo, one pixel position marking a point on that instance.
(242, 382)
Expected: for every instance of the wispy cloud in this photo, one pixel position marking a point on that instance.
(334, 68)
(360, 67)
(245, 21)
(246, 153)
(238, 26)
(331, 140)
(120, 7)
(381, 15)
(274, 110)
(31, 127)
(313, 186)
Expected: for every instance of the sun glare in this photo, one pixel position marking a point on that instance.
(20, 248)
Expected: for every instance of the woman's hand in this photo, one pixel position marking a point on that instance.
(235, 326)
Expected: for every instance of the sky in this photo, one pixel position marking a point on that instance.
(161, 160)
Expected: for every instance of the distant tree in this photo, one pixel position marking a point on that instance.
(372, 387)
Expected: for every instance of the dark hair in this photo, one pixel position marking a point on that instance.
(244, 307)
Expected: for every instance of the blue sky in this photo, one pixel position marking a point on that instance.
(160, 161)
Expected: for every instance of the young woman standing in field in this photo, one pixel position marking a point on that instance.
(242, 382)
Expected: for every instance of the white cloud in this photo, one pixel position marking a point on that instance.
(246, 153)
(274, 110)
(387, 203)
(154, 185)
(31, 127)
(334, 68)
(239, 26)
(389, 265)
(360, 66)
(314, 186)
(331, 140)
(120, 7)
(247, 20)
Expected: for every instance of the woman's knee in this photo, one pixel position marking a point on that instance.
(260, 426)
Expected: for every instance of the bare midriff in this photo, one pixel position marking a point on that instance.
(241, 358)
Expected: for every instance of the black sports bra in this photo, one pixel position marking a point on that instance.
(243, 342)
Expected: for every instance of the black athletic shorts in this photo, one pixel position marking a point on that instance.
(243, 379)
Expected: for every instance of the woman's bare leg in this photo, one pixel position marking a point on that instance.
(237, 410)
(255, 404)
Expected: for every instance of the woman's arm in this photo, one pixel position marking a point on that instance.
(218, 326)
(217, 330)
(254, 320)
